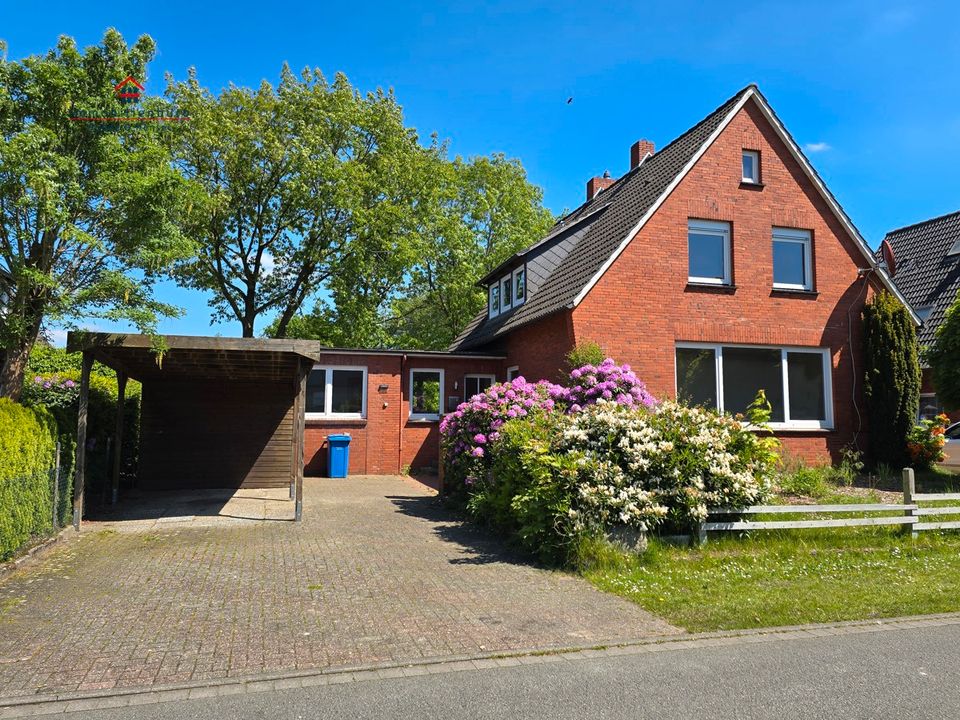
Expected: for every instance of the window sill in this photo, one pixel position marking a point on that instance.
(806, 430)
(694, 286)
(318, 421)
(422, 421)
(809, 294)
(750, 185)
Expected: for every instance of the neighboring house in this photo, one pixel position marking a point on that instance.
(717, 266)
(928, 275)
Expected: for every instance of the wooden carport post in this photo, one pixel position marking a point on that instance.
(118, 437)
(81, 462)
(299, 425)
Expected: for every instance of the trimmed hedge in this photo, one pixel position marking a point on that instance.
(27, 456)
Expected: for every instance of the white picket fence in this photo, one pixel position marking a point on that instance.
(910, 514)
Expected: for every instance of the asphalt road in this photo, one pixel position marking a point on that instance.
(897, 673)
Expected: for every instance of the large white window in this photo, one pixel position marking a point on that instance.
(796, 381)
(708, 247)
(519, 285)
(792, 259)
(751, 167)
(476, 384)
(494, 300)
(426, 393)
(337, 392)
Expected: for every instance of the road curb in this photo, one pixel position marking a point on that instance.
(35, 705)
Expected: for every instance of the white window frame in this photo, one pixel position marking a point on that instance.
(799, 237)
(513, 369)
(491, 310)
(787, 424)
(506, 281)
(426, 416)
(719, 229)
(755, 154)
(327, 413)
(481, 376)
(518, 273)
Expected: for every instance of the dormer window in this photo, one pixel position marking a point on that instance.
(494, 300)
(751, 167)
(519, 285)
(506, 293)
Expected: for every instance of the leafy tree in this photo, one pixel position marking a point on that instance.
(944, 359)
(86, 210)
(490, 212)
(422, 292)
(292, 185)
(891, 378)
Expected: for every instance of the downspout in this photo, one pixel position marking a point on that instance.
(403, 360)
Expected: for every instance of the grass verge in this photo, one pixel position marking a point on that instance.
(784, 578)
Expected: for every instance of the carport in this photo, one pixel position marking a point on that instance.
(215, 412)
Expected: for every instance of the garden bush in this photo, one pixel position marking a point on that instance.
(529, 492)
(670, 465)
(606, 381)
(925, 442)
(549, 479)
(60, 394)
(27, 456)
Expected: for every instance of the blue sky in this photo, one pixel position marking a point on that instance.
(869, 88)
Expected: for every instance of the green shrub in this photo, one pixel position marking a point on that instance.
(943, 357)
(529, 493)
(27, 456)
(48, 360)
(926, 441)
(891, 378)
(806, 481)
(586, 352)
(60, 394)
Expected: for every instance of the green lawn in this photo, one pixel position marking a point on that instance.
(787, 578)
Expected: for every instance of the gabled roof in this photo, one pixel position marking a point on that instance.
(928, 274)
(628, 204)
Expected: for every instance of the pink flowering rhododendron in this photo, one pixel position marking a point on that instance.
(469, 431)
(474, 424)
(606, 381)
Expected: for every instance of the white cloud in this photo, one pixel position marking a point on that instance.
(817, 147)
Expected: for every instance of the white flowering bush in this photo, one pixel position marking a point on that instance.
(641, 468)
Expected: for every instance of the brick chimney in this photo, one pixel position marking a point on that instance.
(639, 150)
(596, 184)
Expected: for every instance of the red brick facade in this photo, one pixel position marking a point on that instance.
(387, 440)
(642, 306)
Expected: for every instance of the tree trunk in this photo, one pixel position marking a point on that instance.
(15, 365)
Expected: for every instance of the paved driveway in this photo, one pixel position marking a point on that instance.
(376, 572)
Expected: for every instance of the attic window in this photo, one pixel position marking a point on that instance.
(955, 250)
(751, 167)
(494, 300)
(923, 312)
(519, 285)
(506, 293)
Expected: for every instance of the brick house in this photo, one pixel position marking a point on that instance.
(928, 275)
(716, 266)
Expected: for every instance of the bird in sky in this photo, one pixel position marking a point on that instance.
(569, 100)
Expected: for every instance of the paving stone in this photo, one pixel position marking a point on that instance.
(377, 572)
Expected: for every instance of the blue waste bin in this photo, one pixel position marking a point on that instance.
(338, 455)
